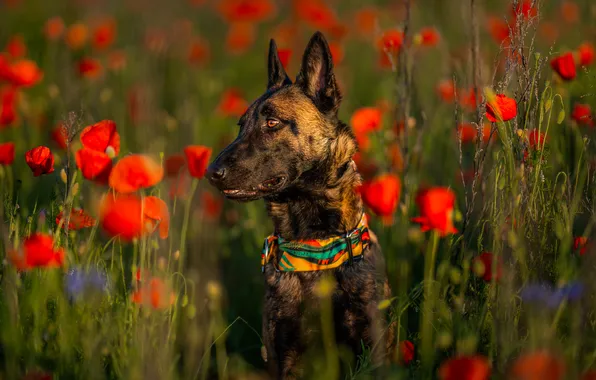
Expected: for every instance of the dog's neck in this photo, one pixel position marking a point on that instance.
(323, 203)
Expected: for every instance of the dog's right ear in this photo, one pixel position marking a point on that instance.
(277, 73)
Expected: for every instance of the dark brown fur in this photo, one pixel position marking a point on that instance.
(307, 161)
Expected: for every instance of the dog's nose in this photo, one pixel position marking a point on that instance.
(216, 174)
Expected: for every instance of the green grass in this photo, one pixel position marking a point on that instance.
(525, 210)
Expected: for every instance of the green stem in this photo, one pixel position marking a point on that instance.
(429, 302)
(187, 206)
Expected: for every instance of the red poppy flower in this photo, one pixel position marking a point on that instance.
(246, 10)
(483, 266)
(582, 114)
(525, 8)
(79, 219)
(89, 68)
(197, 160)
(569, 12)
(436, 210)
(580, 244)
(465, 368)
(58, 135)
(8, 104)
(366, 20)
(121, 215)
(586, 54)
(53, 28)
(40, 160)
(366, 120)
(498, 29)
(16, 47)
(104, 34)
(212, 205)
(540, 365)
(428, 36)
(232, 103)
(468, 99)
(468, 133)
(156, 294)
(502, 108)
(5, 73)
(6, 153)
(173, 164)
(391, 41)
(446, 90)
(156, 210)
(128, 216)
(135, 172)
(337, 53)
(284, 56)
(25, 73)
(407, 352)
(102, 137)
(95, 165)
(198, 51)
(381, 194)
(76, 35)
(38, 252)
(315, 13)
(564, 65)
(536, 138)
(240, 37)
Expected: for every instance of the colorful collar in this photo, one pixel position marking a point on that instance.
(318, 254)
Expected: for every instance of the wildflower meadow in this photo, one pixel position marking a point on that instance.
(474, 122)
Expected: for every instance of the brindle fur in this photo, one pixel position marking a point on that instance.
(312, 151)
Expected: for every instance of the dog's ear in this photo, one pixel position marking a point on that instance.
(277, 74)
(316, 76)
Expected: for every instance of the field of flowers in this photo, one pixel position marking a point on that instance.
(474, 121)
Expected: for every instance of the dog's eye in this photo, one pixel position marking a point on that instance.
(272, 123)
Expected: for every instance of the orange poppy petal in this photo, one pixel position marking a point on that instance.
(100, 136)
(135, 172)
(120, 215)
(94, 165)
(197, 159)
(156, 209)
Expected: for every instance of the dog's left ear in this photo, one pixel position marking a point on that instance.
(316, 76)
(277, 73)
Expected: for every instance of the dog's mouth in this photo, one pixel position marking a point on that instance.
(264, 188)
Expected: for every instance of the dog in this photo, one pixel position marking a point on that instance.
(294, 152)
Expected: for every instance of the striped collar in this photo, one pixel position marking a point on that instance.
(316, 254)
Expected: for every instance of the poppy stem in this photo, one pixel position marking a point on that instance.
(429, 302)
(193, 188)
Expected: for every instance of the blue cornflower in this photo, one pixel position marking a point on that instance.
(79, 282)
(545, 294)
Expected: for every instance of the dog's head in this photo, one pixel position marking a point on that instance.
(285, 133)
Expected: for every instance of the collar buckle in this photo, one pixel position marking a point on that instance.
(348, 238)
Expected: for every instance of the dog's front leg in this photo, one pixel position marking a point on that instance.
(284, 346)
